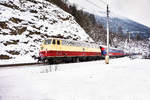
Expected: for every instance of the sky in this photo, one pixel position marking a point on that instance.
(137, 10)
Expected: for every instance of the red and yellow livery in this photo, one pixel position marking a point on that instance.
(55, 48)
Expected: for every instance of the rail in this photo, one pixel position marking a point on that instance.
(21, 64)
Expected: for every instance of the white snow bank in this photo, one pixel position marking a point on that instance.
(122, 79)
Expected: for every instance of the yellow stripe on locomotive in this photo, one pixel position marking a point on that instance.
(55, 44)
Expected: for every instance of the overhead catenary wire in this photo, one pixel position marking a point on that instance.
(102, 12)
(96, 5)
(103, 2)
(112, 14)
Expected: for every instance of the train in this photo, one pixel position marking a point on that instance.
(113, 52)
(56, 50)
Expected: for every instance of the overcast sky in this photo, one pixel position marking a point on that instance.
(138, 10)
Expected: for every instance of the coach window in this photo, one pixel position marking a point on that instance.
(54, 41)
(58, 42)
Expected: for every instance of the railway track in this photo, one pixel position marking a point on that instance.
(40, 63)
(28, 64)
(21, 64)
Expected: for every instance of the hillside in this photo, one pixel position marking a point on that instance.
(98, 8)
(126, 25)
(25, 23)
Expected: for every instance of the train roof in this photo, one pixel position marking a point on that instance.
(71, 40)
(110, 47)
(76, 43)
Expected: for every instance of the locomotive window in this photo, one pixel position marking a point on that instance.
(54, 42)
(47, 42)
(58, 42)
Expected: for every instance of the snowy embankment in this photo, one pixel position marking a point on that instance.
(25, 23)
(122, 79)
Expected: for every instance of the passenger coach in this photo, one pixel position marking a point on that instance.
(113, 52)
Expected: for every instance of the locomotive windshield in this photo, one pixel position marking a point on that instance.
(47, 41)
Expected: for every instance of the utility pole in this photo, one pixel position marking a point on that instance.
(107, 56)
(129, 46)
(129, 42)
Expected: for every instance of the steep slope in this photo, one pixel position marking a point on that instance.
(25, 23)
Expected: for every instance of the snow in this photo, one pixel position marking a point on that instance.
(19, 60)
(42, 18)
(122, 79)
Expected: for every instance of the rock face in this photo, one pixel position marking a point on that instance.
(25, 23)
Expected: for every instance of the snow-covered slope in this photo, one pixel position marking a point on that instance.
(126, 25)
(25, 23)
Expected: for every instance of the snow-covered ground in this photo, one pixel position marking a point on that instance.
(122, 79)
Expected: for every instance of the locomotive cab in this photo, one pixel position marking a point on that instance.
(50, 47)
(50, 44)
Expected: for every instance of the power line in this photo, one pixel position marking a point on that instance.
(102, 12)
(103, 2)
(95, 5)
(112, 14)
